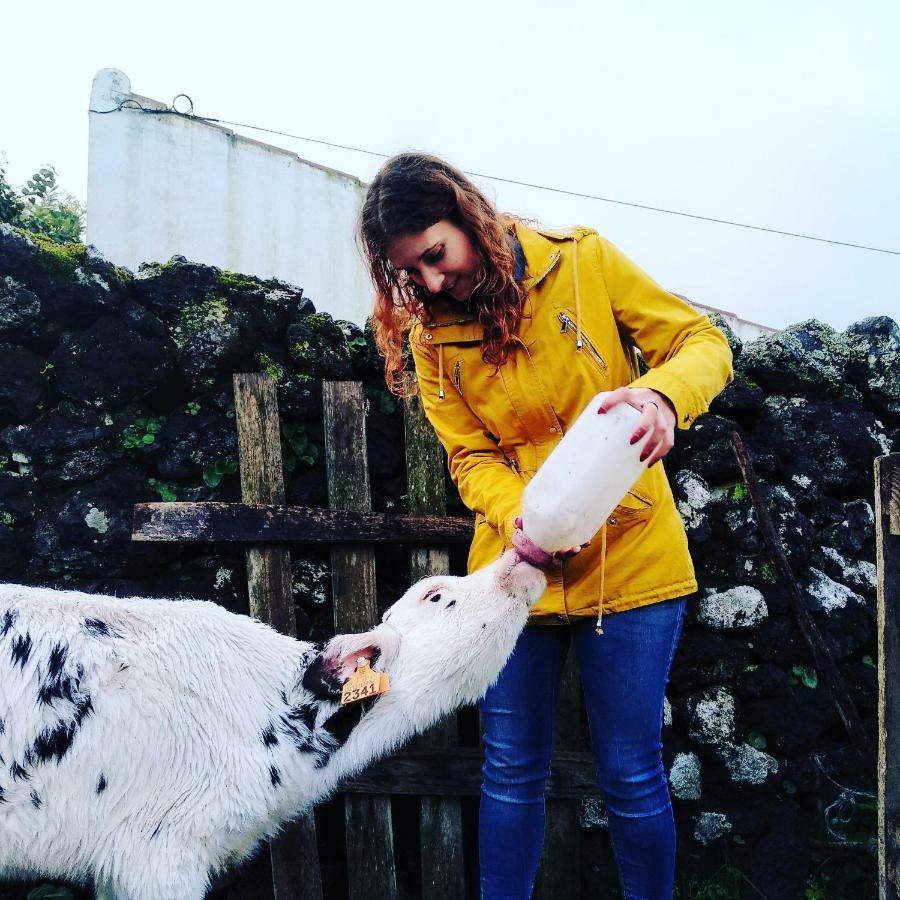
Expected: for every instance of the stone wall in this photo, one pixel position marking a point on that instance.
(116, 389)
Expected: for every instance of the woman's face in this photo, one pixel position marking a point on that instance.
(440, 259)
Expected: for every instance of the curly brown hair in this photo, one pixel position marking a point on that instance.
(410, 193)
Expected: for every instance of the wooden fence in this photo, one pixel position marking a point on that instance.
(436, 769)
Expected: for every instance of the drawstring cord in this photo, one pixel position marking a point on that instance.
(602, 578)
(578, 343)
(440, 371)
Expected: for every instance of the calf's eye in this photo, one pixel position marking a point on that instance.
(434, 598)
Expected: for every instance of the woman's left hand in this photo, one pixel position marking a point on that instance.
(657, 417)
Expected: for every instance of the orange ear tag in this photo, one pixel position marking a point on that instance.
(364, 683)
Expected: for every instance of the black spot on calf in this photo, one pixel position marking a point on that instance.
(101, 784)
(18, 773)
(306, 714)
(322, 681)
(269, 738)
(57, 660)
(96, 627)
(35, 800)
(341, 724)
(8, 618)
(275, 775)
(56, 686)
(56, 741)
(21, 649)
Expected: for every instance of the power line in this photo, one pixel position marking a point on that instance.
(134, 104)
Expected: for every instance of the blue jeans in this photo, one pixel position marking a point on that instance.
(624, 673)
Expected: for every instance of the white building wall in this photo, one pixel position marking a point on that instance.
(165, 184)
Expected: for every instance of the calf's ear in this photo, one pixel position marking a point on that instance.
(378, 645)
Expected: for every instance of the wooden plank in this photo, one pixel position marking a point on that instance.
(559, 874)
(824, 661)
(440, 818)
(370, 841)
(262, 481)
(887, 541)
(252, 522)
(456, 771)
(294, 855)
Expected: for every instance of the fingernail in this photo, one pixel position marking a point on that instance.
(635, 438)
(644, 456)
(600, 410)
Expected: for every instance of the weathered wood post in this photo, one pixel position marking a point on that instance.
(440, 818)
(295, 861)
(370, 842)
(887, 538)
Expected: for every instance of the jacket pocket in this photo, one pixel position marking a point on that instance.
(633, 507)
(568, 327)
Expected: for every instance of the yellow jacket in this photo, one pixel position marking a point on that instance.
(498, 426)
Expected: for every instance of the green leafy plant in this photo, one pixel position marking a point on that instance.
(272, 368)
(806, 675)
(757, 740)
(192, 407)
(297, 446)
(739, 492)
(141, 434)
(357, 344)
(215, 472)
(723, 884)
(382, 400)
(165, 490)
(42, 207)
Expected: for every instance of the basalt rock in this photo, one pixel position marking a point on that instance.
(319, 348)
(114, 361)
(808, 359)
(23, 382)
(20, 309)
(191, 442)
(88, 529)
(875, 365)
(68, 445)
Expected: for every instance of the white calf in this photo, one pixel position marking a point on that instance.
(146, 745)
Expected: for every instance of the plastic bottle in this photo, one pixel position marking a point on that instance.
(583, 479)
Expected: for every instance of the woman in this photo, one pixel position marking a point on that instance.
(513, 330)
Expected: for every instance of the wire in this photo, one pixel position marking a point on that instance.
(134, 104)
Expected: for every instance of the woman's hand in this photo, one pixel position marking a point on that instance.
(657, 417)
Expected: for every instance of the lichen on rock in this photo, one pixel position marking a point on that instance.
(684, 776)
(739, 607)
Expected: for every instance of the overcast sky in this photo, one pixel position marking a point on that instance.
(783, 114)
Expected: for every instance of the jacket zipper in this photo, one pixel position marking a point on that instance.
(568, 327)
(457, 376)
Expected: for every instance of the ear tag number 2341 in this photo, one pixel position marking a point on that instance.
(364, 683)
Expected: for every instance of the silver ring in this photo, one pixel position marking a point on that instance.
(641, 407)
